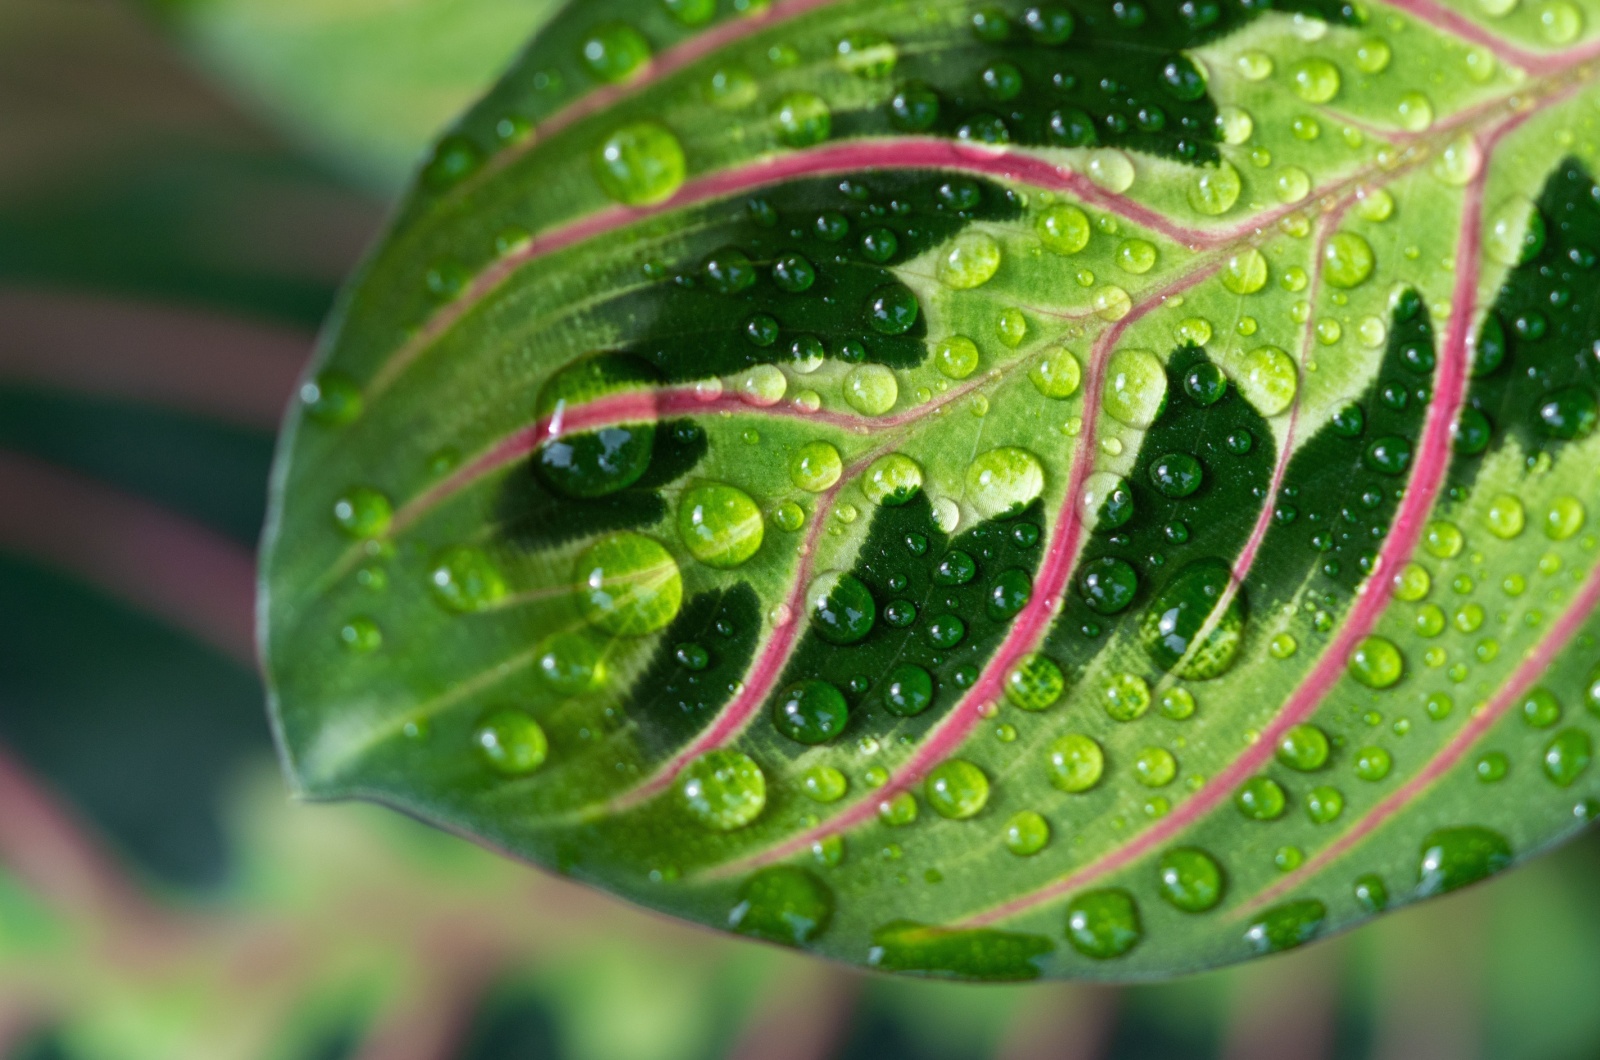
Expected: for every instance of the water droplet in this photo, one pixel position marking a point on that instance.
(1004, 481)
(1027, 833)
(1181, 611)
(1324, 804)
(782, 904)
(1035, 683)
(1112, 170)
(871, 389)
(842, 608)
(1377, 663)
(464, 579)
(866, 54)
(332, 398)
(1293, 184)
(1177, 704)
(1269, 380)
(824, 784)
(1303, 747)
(614, 52)
(1373, 55)
(815, 467)
(909, 690)
(1191, 880)
(1567, 756)
(629, 584)
(957, 356)
(723, 789)
(802, 119)
(1347, 260)
(1458, 162)
(1261, 799)
(892, 309)
(363, 513)
(720, 525)
(1137, 256)
(511, 742)
(810, 712)
(970, 261)
(1560, 22)
(1452, 858)
(1414, 111)
(1564, 518)
(571, 663)
(640, 164)
(1075, 763)
(1505, 517)
(956, 789)
(1136, 387)
(1286, 926)
(1126, 696)
(361, 636)
(1103, 924)
(898, 810)
(1315, 80)
(1155, 767)
(1216, 188)
(1064, 229)
(1373, 763)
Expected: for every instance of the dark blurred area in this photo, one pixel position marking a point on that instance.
(166, 254)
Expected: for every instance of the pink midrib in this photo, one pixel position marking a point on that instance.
(1423, 490)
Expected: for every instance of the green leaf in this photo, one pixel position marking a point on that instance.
(969, 498)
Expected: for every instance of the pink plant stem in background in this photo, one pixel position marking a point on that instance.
(182, 359)
(133, 550)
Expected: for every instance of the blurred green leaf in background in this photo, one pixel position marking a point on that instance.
(165, 253)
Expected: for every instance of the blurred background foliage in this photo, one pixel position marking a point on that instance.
(182, 187)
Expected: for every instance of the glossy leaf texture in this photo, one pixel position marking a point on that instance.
(975, 490)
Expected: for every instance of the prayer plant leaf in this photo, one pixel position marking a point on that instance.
(974, 490)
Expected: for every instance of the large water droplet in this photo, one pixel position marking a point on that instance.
(1191, 880)
(1171, 628)
(640, 164)
(810, 712)
(1136, 387)
(629, 584)
(571, 663)
(720, 525)
(1452, 858)
(1004, 481)
(956, 789)
(1075, 762)
(815, 467)
(511, 742)
(871, 389)
(614, 52)
(1286, 926)
(782, 904)
(1269, 380)
(970, 261)
(842, 608)
(1103, 924)
(723, 789)
(465, 579)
